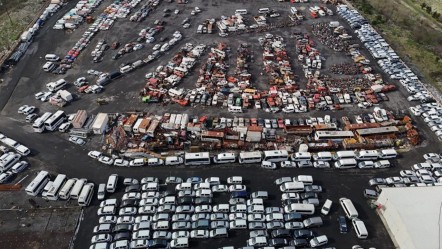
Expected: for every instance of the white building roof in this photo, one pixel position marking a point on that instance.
(412, 214)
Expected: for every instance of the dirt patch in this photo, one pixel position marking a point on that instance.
(37, 228)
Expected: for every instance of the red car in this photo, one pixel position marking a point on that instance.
(281, 123)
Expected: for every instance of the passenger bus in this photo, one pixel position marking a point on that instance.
(333, 135)
(76, 190)
(196, 158)
(86, 195)
(39, 123)
(37, 185)
(275, 156)
(56, 186)
(250, 157)
(55, 120)
(65, 191)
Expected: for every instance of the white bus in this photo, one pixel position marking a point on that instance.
(76, 190)
(196, 158)
(275, 156)
(56, 186)
(39, 123)
(55, 120)
(65, 191)
(86, 195)
(250, 157)
(349, 208)
(36, 186)
(224, 158)
(57, 85)
(333, 135)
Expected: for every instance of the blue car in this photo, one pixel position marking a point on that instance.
(342, 224)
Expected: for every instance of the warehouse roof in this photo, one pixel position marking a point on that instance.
(413, 222)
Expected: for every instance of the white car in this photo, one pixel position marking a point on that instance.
(121, 162)
(4, 177)
(156, 47)
(268, 165)
(76, 140)
(29, 110)
(176, 12)
(108, 219)
(22, 108)
(237, 188)
(282, 180)
(39, 95)
(94, 154)
(288, 164)
(106, 160)
(180, 234)
(199, 234)
(321, 164)
(220, 188)
(407, 173)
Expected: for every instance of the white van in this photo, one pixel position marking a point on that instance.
(161, 225)
(126, 69)
(48, 66)
(150, 186)
(179, 243)
(263, 10)
(389, 153)
(346, 164)
(137, 162)
(52, 57)
(235, 109)
(241, 11)
(345, 154)
(323, 156)
(300, 208)
(256, 242)
(173, 160)
(306, 179)
(155, 162)
(292, 187)
(349, 208)
(367, 155)
(224, 158)
(360, 229)
(366, 165)
(183, 186)
(301, 156)
(234, 180)
(22, 150)
(382, 164)
(238, 224)
(112, 181)
(221, 208)
(326, 207)
(64, 127)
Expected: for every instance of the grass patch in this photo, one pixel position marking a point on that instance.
(21, 14)
(412, 33)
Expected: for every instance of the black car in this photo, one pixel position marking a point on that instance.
(168, 193)
(281, 233)
(122, 228)
(303, 234)
(342, 224)
(185, 200)
(122, 236)
(157, 243)
(308, 195)
(261, 122)
(203, 200)
(278, 242)
(133, 188)
(299, 242)
(129, 203)
(293, 217)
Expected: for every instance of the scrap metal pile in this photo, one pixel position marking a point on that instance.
(335, 39)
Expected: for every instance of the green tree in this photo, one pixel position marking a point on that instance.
(423, 5)
(428, 9)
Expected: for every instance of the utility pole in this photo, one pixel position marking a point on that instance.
(7, 12)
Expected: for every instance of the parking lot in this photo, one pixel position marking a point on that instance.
(53, 152)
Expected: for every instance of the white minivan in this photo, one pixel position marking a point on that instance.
(52, 57)
(111, 185)
(173, 160)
